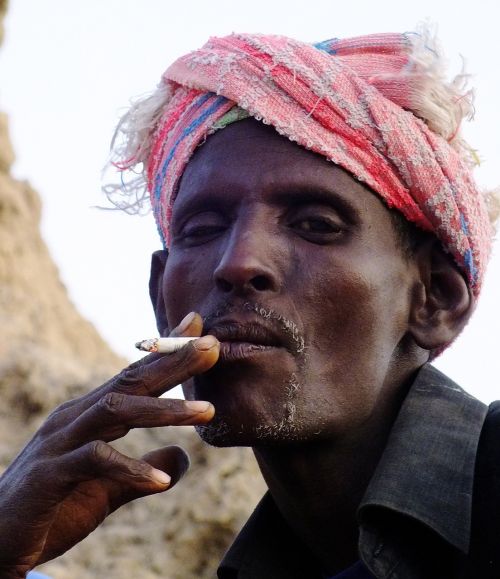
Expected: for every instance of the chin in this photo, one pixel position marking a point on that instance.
(284, 432)
(251, 414)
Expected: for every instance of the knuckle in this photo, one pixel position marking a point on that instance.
(60, 412)
(129, 378)
(139, 469)
(159, 371)
(142, 362)
(63, 407)
(112, 403)
(165, 404)
(184, 363)
(173, 405)
(52, 424)
(140, 379)
(181, 359)
(148, 375)
(98, 451)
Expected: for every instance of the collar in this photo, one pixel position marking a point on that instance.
(266, 548)
(426, 473)
(427, 469)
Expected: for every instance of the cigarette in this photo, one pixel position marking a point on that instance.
(163, 345)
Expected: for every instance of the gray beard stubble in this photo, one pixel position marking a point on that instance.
(288, 426)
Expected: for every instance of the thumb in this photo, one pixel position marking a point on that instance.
(171, 459)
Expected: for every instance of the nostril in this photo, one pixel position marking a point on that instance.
(261, 283)
(224, 285)
(258, 283)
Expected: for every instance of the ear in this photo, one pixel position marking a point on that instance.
(158, 262)
(442, 301)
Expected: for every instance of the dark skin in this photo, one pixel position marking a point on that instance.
(262, 225)
(68, 478)
(321, 321)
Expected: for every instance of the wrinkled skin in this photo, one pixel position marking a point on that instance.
(68, 478)
(261, 224)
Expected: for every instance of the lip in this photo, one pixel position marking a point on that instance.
(237, 351)
(244, 337)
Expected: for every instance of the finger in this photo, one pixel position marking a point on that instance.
(162, 373)
(113, 415)
(171, 459)
(191, 325)
(122, 479)
(169, 370)
(98, 460)
(70, 409)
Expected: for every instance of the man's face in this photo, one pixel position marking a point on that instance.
(296, 268)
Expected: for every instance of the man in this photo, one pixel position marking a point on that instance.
(322, 289)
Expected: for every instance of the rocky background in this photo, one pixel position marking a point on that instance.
(49, 353)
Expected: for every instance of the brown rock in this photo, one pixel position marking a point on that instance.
(3, 10)
(6, 150)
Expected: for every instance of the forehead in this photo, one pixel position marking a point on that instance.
(249, 159)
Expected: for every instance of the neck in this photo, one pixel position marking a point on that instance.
(318, 485)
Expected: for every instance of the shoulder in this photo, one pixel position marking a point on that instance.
(484, 553)
(488, 455)
(493, 418)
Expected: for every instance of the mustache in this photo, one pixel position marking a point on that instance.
(280, 323)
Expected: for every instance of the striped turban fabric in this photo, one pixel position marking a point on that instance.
(375, 105)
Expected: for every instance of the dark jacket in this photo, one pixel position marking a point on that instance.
(431, 510)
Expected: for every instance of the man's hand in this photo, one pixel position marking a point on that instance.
(68, 478)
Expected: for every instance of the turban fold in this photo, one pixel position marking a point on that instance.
(375, 105)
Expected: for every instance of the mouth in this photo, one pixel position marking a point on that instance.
(241, 339)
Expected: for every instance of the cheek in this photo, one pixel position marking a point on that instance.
(341, 300)
(361, 315)
(350, 348)
(185, 283)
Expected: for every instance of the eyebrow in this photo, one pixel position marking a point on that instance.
(308, 193)
(293, 194)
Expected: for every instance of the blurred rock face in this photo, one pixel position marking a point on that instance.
(3, 9)
(48, 354)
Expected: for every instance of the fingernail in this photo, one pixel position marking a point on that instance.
(197, 405)
(160, 477)
(186, 321)
(205, 343)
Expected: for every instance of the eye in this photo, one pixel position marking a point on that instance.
(200, 228)
(317, 225)
(321, 225)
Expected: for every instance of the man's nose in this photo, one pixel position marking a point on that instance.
(248, 264)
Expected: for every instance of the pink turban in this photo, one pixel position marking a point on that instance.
(375, 105)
